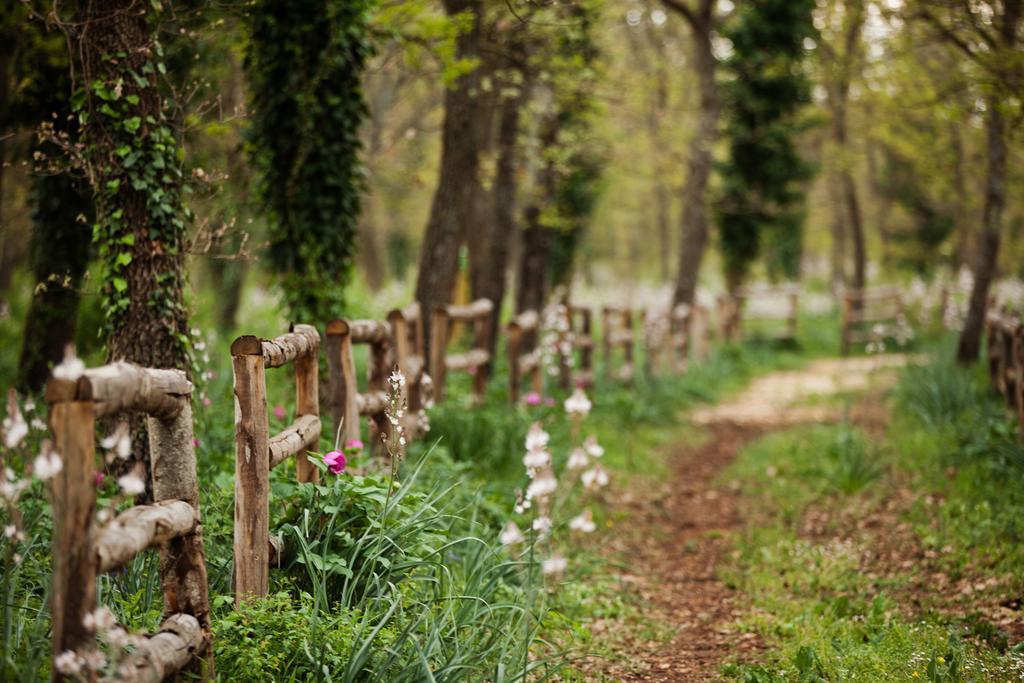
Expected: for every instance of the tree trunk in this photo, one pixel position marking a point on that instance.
(839, 232)
(452, 208)
(479, 231)
(962, 255)
(856, 226)
(140, 213)
(694, 233)
(6, 57)
(505, 189)
(60, 250)
(533, 263)
(988, 240)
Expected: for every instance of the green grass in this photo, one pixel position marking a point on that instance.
(824, 612)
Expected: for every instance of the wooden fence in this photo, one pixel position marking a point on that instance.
(82, 550)
(407, 339)
(172, 522)
(523, 331)
(256, 452)
(580, 336)
(1005, 335)
(476, 361)
(347, 403)
(864, 311)
(617, 332)
(746, 306)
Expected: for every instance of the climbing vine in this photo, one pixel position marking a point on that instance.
(133, 161)
(305, 63)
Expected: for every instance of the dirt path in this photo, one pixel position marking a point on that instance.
(678, 531)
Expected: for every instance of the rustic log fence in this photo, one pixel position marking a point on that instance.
(82, 550)
(748, 308)
(347, 403)
(256, 452)
(577, 368)
(476, 361)
(407, 338)
(864, 311)
(617, 332)
(172, 522)
(1005, 336)
(522, 334)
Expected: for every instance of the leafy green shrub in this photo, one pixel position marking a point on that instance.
(280, 636)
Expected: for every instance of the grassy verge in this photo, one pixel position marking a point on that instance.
(892, 557)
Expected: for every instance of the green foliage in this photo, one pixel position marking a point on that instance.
(286, 636)
(305, 63)
(761, 199)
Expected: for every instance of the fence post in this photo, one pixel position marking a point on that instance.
(307, 402)
(627, 346)
(183, 559)
(252, 470)
(74, 497)
(481, 341)
(794, 311)
(587, 352)
(344, 388)
(846, 324)
(515, 346)
(377, 381)
(606, 341)
(438, 350)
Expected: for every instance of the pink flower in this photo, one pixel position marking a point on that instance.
(279, 412)
(98, 478)
(533, 399)
(207, 402)
(335, 461)
(353, 446)
(195, 443)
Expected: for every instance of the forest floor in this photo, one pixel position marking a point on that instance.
(678, 530)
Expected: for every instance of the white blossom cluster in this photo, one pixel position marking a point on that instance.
(546, 492)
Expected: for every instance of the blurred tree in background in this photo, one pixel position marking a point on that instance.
(305, 66)
(762, 202)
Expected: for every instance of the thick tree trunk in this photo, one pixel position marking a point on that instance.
(989, 238)
(60, 251)
(694, 233)
(142, 230)
(144, 333)
(452, 208)
(6, 57)
(505, 189)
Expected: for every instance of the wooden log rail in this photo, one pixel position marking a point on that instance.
(1005, 337)
(617, 332)
(82, 549)
(407, 337)
(863, 310)
(476, 361)
(522, 333)
(347, 403)
(256, 451)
